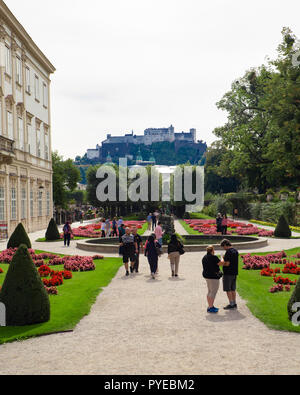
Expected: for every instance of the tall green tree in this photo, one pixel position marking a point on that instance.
(65, 178)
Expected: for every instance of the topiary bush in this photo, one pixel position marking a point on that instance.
(52, 232)
(23, 292)
(282, 229)
(295, 298)
(19, 237)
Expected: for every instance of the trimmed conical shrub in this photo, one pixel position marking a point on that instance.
(19, 237)
(282, 229)
(23, 292)
(52, 232)
(295, 298)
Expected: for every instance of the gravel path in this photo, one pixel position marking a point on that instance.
(141, 326)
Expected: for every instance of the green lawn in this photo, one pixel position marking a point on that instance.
(43, 240)
(200, 216)
(74, 300)
(269, 308)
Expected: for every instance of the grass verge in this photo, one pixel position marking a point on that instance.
(74, 301)
(269, 308)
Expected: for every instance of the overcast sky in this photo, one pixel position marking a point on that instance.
(127, 65)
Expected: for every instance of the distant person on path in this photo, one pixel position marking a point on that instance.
(121, 231)
(67, 230)
(154, 221)
(149, 220)
(103, 228)
(120, 222)
(151, 252)
(219, 223)
(175, 249)
(159, 234)
(114, 228)
(212, 275)
(130, 249)
(231, 270)
(107, 228)
(138, 240)
(224, 225)
(235, 213)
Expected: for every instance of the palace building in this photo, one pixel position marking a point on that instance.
(25, 129)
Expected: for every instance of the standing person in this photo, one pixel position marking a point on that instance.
(149, 220)
(236, 213)
(154, 221)
(159, 234)
(224, 224)
(138, 240)
(103, 228)
(121, 231)
(231, 271)
(175, 248)
(67, 230)
(212, 275)
(107, 228)
(219, 223)
(114, 228)
(130, 250)
(151, 252)
(120, 222)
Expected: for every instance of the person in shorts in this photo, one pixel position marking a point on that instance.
(129, 250)
(230, 265)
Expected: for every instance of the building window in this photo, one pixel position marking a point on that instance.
(28, 82)
(45, 95)
(2, 204)
(46, 144)
(7, 60)
(10, 126)
(21, 134)
(40, 202)
(13, 203)
(31, 204)
(23, 203)
(38, 140)
(19, 71)
(48, 203)
(37, 87)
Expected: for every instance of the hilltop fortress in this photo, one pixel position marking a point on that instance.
(126, 146)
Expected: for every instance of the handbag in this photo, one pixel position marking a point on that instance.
(180, 249)
(220, 275)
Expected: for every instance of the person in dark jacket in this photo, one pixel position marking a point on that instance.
(219, 223)
(151, 252)
(211, 273)
(174, 248)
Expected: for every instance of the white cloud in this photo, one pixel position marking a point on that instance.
(133, 64)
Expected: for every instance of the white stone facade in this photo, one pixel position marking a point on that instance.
(25, 129)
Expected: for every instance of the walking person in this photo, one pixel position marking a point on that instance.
(152, 253)
(114, 228)
(149, 220)
(129, 250)
(159, 233)
(138, 240)
(67, 230)
(154, 222)
(107, 228)
(219, 223)
(103, 228)
(231, 270)
(121, 231)
(120, 222)
(212, 275)
(175, 250)
(224, 224)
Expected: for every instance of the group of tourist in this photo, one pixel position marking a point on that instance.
(152, 220)
(131, 245)
(112, 228)
(222, 224)
(213, 275)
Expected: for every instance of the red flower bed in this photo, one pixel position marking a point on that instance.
(51, 290)
(1, 271)
(284, 281)
(44, 271)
